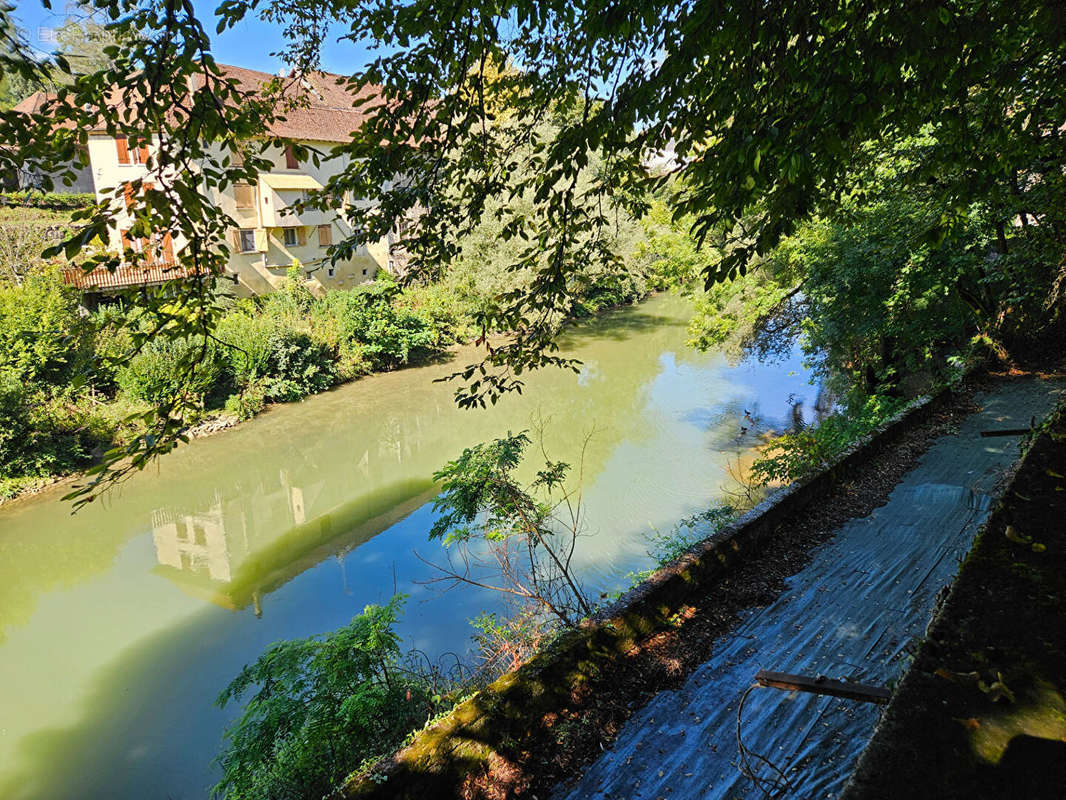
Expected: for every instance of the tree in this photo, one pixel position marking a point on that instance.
(319, 708)
(529, 546)
(84, 39)
(766, 108)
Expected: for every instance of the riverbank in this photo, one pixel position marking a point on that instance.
(291, 523)
(981, 711)
(542, 724)
(284, 348)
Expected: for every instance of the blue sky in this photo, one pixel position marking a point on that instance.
(248, 45)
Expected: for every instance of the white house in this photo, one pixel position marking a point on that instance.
(269, 235)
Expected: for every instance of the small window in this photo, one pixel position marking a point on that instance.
(247, 240)
(290, 158)
(290, 236)
(331, 271)
(364, 272)
(325, 235)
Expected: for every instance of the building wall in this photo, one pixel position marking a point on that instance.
(264, 268)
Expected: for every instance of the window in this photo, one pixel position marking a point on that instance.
(156, 249)
(325, 235)
(290, 236)
(246, 239)
(364, 272)
(138, 155)
(290, 158)
(244, 194)
(331, 271)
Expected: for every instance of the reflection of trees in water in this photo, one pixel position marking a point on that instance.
(372, 442)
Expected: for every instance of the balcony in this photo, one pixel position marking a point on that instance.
(279, 193)
(125, 277)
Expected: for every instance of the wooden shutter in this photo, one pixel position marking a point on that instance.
(261, 240)
(122, 150)
(235, 239)
(244, 194)
(124, 236)
(301, 236)
(168, 250)
(142, 155)
(325, 235)
(290, 158)
(127, 192)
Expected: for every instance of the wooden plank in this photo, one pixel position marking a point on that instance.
(823, 685)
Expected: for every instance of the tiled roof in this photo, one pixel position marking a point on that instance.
(33, 103)
(328, 113)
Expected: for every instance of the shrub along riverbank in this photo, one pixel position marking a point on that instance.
(69, 388)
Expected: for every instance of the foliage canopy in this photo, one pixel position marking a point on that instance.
(557, 109)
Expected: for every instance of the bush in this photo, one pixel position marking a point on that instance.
(44, 341)
(245, 405)
(250, 338)
(442, 308)
(52, 200)
(320, 708)
(42, 436)
(298, 366)
(163, 369)
(799, 455)
(389, 336)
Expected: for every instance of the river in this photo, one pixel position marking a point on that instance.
(119, 625)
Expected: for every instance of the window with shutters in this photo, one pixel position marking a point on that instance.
(122, 150)
(155, 250)
(290, 158)
(246, 239)
(139, 155)
(325, 235)
(244, 194)
(289, 235)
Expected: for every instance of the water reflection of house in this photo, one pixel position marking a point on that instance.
(238, 550)
(193, 542)
(208, 546)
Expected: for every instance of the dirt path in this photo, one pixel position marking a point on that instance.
(851, 612)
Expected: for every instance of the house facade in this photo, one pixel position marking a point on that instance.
(269, 234)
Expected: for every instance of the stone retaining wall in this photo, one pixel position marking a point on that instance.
(482, 730)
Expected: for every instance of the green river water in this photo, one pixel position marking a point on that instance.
(119, 625)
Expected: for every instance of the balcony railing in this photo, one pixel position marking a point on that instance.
(126, 277)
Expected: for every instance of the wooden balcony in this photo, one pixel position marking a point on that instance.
(126, 277)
